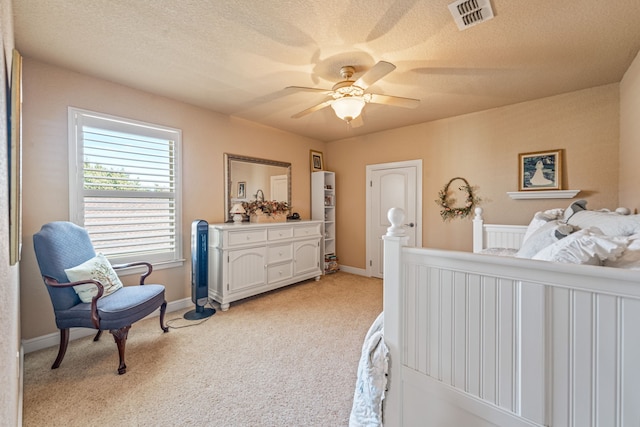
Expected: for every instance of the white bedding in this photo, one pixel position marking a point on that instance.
(579, 236)
(372, 379)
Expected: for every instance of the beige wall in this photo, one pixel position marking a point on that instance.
(206, 136)
(483, 148)
(10, 410)
(630, 136)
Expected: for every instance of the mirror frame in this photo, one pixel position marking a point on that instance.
(228, 158)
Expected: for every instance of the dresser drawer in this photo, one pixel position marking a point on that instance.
(279, 233)
(307, 230)
(275, 273)
(243, 237)
(280, 253)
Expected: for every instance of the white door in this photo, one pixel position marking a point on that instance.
(392, 185)
(279, 188)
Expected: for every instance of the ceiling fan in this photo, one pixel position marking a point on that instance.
(348, 97)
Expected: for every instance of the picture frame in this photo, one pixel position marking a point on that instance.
(15, 160)
(317, 163)
(242, 190)
(540, 170)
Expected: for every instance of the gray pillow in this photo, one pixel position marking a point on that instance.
(577, 206)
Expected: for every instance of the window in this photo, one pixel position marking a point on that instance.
(124, 186)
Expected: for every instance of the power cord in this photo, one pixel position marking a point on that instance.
(189, 322)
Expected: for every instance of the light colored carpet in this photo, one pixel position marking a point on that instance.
(284, 358)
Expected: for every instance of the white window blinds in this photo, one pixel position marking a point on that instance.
(126, 179)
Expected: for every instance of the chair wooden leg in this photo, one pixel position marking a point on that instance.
(64, 342)
(120, 337)
(163, 308)
(98, 335)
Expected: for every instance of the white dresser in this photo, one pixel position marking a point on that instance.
(248, 259)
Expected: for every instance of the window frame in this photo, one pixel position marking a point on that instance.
(76, 119)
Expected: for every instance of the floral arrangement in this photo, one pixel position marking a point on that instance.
(444, 201)
(269, 207)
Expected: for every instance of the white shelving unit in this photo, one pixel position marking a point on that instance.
(323, 208)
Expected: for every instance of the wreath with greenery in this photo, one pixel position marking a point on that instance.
(444, 201)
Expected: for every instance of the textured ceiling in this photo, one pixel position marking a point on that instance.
(237, 57)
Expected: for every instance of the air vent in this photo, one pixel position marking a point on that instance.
(468, 13)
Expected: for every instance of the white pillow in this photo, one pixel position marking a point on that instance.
(630, 258)
(584, 247)
(97, 268)
(541, 218)
(544, 236)
(610, 223)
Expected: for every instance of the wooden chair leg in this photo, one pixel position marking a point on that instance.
(64, 342)
(98, 335)
(120, 337)
(163, 308)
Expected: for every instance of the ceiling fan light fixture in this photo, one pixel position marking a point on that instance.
(348, 108)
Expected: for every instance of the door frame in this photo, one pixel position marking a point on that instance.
(418, 214)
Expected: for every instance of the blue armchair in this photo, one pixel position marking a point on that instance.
(63, 245)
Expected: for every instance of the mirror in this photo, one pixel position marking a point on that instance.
(248, 178)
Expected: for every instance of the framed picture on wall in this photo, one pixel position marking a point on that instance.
(541, 170)
(15, 160)
(242, 190)
(317, 164)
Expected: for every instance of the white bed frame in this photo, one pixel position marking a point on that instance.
(479, 340)
(495, 235)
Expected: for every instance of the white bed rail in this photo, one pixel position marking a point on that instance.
(483, 340)
(495, 236)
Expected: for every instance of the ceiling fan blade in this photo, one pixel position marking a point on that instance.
(374, 74)
(313, 109)
(309, 89)
(394, 100)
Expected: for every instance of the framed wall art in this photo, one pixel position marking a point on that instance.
(242, 190)
(540, 170)
(317, 164)
(15, 160)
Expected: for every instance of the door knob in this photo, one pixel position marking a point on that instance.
(410, 225)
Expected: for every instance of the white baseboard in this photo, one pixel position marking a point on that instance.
(53, 339)
(20, 384)
(353, 270)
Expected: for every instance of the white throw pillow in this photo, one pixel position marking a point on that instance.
(584, 247)
(544, 236)
(97, 268)
(540, 219)
(630, 258)
(610, 223)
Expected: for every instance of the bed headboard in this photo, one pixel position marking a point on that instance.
(495, 235)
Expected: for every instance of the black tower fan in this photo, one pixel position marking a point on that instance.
(199, 271)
